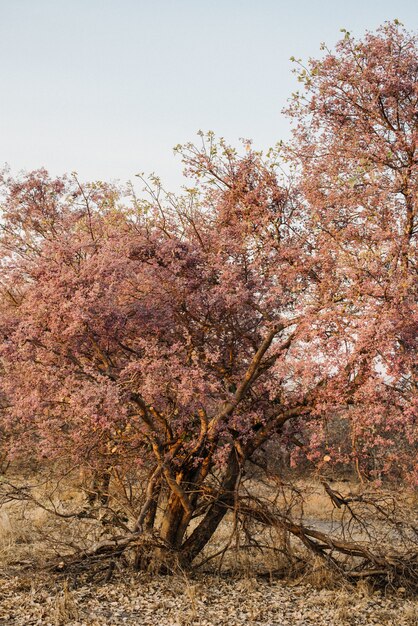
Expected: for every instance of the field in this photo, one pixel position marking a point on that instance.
(245, 588)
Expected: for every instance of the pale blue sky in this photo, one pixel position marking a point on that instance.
(108, 87)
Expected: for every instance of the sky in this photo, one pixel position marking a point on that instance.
(107, 88)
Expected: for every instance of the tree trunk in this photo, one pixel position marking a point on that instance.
(173, 528)
(98, 490)
(202, 534)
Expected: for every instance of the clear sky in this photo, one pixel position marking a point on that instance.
(108, 87)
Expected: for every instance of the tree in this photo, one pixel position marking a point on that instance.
(355, 138)
(179, 335)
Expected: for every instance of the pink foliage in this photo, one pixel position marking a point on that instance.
(130, 326)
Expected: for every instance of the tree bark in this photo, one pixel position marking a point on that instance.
(202, 534)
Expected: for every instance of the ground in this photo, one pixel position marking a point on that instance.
(27, 600)
(244, 592)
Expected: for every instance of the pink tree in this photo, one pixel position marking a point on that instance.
(179, 335)
(355, 138)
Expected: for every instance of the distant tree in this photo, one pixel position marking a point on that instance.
(355, 145)
(178, 335)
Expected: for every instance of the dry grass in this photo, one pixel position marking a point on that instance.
(310, 594)
(66, 609)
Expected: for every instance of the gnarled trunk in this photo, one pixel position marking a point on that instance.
(177, 547)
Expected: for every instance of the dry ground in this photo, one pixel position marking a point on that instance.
(203, 601)
(31, 594)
